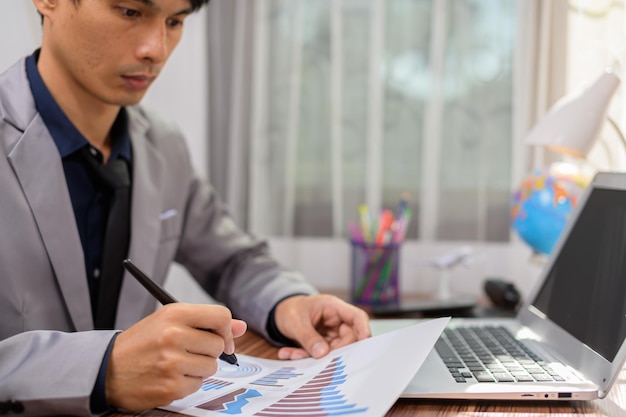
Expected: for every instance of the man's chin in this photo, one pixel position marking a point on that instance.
(130, 100)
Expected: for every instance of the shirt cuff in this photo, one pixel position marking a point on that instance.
(272, 329)
(98, 402)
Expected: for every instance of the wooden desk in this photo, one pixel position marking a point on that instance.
(612, 406)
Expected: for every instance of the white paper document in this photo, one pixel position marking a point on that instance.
(364, 378)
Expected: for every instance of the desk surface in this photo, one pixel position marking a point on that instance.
(612, 406)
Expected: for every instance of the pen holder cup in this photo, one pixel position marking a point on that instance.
(374, 278)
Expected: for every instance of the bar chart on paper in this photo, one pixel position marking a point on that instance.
(320, 396)
(353, 380)
(269, 391)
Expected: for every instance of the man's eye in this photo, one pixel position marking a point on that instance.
(130, 12)
(174, 22)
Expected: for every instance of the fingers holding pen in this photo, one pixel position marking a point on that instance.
(214, 320)
(206, 330)
(166, 355)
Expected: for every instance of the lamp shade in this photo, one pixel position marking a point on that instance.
(573, 123)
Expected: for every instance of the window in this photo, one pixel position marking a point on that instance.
(367, 100)
(330, 104)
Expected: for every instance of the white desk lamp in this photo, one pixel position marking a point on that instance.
(573, 123)
(571, 127)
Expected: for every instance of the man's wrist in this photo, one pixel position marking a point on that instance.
(272, 328)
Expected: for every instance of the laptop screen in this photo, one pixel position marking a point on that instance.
(585, 290)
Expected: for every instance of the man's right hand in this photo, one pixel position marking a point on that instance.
(165, 356)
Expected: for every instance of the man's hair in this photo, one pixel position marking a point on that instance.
(195, 6)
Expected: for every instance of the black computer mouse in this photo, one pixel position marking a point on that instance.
(502, 293)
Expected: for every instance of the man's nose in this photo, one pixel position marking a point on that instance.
(153, 46)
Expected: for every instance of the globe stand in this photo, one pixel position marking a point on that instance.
(538, 258)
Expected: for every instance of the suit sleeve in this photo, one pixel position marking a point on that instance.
(233, 266)
(51, 370)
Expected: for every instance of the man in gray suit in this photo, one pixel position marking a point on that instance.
(67, 112)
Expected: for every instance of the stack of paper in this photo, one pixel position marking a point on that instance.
(364, 378)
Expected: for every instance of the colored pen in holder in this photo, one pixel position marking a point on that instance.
(375, 273)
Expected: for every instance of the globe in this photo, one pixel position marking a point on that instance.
(543, 203)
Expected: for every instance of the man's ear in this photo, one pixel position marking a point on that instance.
(44, 7)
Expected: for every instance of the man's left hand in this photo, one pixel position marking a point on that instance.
(319, 323)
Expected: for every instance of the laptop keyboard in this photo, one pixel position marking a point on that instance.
(491, 354)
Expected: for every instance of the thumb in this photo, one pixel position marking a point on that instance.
(313, 342)
(238, 327)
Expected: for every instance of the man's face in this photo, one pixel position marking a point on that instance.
(109, 50)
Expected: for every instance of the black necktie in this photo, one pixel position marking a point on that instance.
(116, 177)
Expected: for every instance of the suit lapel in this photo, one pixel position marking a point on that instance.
(145, 225)
(37, 164)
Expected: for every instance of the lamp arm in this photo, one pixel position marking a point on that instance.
(609, 155)
(613, 123)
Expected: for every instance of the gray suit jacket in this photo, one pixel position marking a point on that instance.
(49, 352)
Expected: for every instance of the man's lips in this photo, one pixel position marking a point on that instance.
(138, 81)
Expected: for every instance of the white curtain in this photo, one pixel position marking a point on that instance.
(542, 61)
(319, 106)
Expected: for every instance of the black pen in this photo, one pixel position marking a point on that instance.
(165, 297)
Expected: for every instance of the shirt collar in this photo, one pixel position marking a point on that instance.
(65, 135)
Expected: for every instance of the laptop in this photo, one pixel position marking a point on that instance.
(572, 327)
